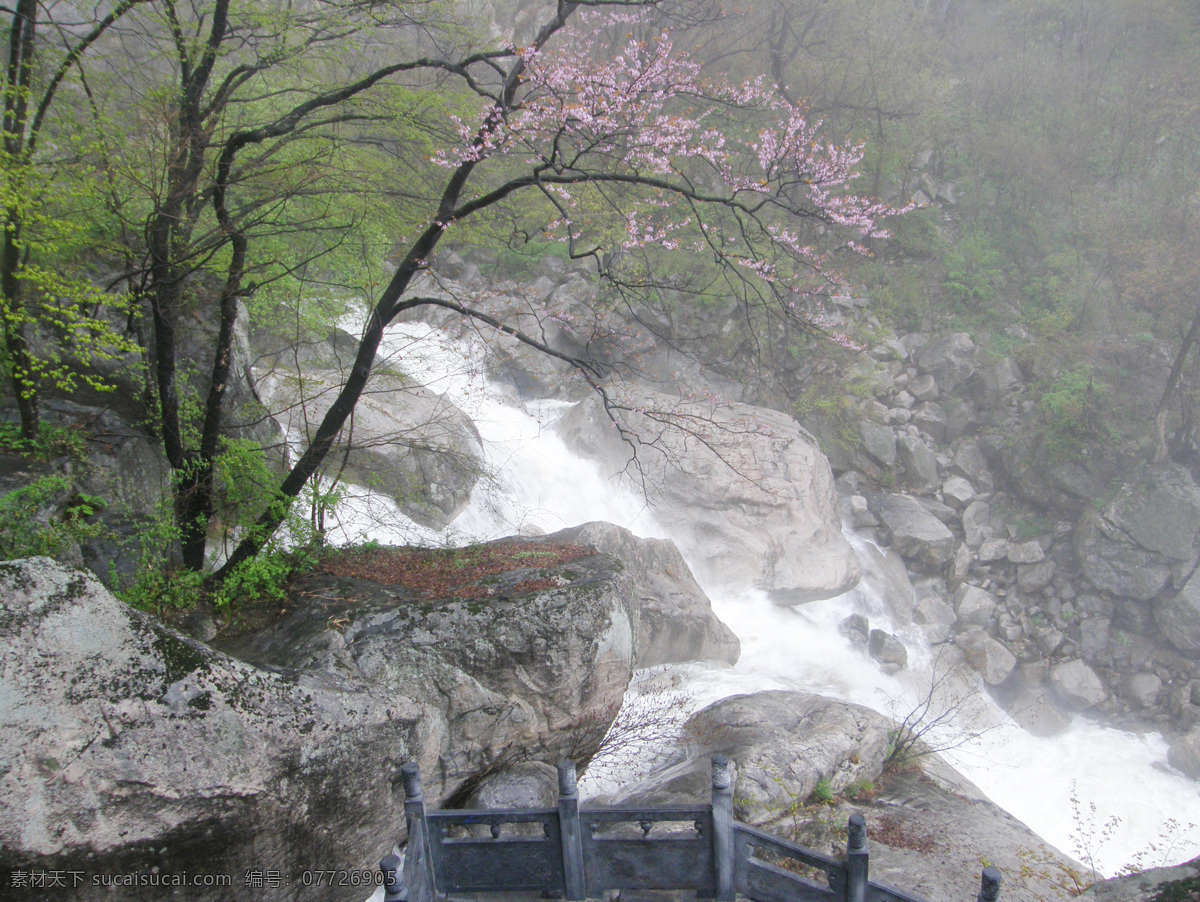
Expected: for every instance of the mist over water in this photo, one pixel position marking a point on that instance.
(535, 482)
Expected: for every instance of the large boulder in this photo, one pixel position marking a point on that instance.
(784, 743)
(920, 467)
(931, 830)
(987, 657)
(1143, 536)
(950, 359)
(1178, 617)
(1077, 685)
(744, 489)
(519, 648)
(127, 748)
(676, 619)
(1184, 754)
(915, 533)
(884, 570)
(410, 442)
(928, 827)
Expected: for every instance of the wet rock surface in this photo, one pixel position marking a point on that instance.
(744, 489)
(129, 748)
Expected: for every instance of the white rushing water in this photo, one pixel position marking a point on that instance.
(536, 481)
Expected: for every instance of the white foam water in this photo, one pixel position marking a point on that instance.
(535, 481)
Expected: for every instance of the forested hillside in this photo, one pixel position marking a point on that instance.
(184, 179)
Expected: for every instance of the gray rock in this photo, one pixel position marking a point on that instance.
(1077, 685)
(946, 194)
(1093, 637)
(746, 492)
(879, 443)
(887, 649)
(950, 359)
(987, 657)
(1131, 548)
(958, 492)
(1178, 617)
(1184, 754)
(856, 628)
(676, 618)
(1116, 565)
(126, 747)
(526, 784)
(920, 467)
(784, 742)
(885, 569)
(1002, 377)
(1145, 886)
(1161, 513)
(1047, 639)
(935, 617)
(976, 520)
(930, 418)
(1037, 712)
(915, 533)
(992, 550)
(1142, 689)
(963, 559)
(924, 388)
(1035, 577)
(528, 663)
(943, 512)
(414, 444)
(1026, 552)
(974, 606)
(961, 419)
(960, 827)
(969, 461)
(860, 513)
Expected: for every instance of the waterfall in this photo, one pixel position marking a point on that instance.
(536, 482)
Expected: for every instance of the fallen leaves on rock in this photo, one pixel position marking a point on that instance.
(431, 573)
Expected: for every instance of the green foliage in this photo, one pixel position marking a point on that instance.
(823, 791)
(51, 442)
(262, 578)
(972, 271)
(1069, 415)
(243, 481)
(47, 516)
(160, 589)
(1052, 297)
(71, 322)
(860, 790)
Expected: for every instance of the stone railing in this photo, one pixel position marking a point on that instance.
(579, 853)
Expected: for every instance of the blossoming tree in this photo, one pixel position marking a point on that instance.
(632, 131)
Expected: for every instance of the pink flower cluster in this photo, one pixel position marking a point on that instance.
(683, 148)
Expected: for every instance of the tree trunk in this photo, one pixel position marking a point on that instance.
(1164, 405)
(16, 109)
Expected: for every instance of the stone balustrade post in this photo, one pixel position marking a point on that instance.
(722, 839)
(570, 832)
(393, 884)
(419, 882)
(856, 859)
(989, 885)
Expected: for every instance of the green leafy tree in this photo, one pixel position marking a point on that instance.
(37, 293)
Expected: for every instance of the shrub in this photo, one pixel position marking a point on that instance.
(47, 516)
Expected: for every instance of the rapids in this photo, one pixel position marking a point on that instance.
(1069, 789)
